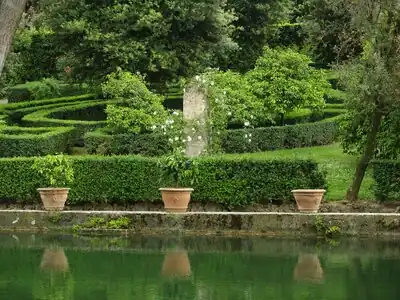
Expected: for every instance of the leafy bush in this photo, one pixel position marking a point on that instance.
(178, 169)
(286, 81)
(56, 170)
(129, 179)
(139, 109)
(386, 174)
(22, 141)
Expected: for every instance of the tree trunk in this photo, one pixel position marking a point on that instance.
(354, 189)
(10, 15)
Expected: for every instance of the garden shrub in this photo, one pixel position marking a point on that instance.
(24, 141)
(100, 142)
(129, 179)
(44, 89)
(386, 174)
(138, 110)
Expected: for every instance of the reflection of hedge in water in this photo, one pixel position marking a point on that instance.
(221, 276)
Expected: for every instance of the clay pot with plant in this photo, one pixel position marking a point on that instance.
(308, 201)
(57, 172)
(180, 170)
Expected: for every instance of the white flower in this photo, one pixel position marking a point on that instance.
(154, 113)
(193, 129)
(184, 141)
(229, 113)
(251, 117)
(218, 132)
(197, 77)
(212, 83)
(184, 90)
(216, 100)
(249, 140)
(245, 136)
(224, 92)
(165, 133)
(189, 139)
(170, 140)
(204, 81)
(246, 123)
(176, 138)
(175, 113)
(199, 137)
(153, 127)
(172, 127)
(249, 134)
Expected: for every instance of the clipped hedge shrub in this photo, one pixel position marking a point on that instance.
(386, 174)
(21, 141)
(49, 117)
(237, 140)
(31, 106)
(35, 89)
(99, 142)
(128, 179)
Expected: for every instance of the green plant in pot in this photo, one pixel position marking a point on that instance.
(57, 172)
(181, 171)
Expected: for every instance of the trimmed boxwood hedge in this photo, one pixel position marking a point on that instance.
(99, 142)
(262, 139)
(37, 104)
(26, 91)
(386, 174)
(21, 141)
(128, 179)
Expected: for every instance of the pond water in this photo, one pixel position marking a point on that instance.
(96, 268)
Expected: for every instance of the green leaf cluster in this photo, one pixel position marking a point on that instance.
(57, 170)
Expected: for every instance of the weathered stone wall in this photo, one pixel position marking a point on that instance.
(195, 110)
(353, 224)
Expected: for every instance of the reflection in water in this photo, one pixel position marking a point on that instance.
(196, 268)
(176, 265)
(308, 269)
(54, 259)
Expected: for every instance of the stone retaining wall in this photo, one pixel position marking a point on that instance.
(226, 223)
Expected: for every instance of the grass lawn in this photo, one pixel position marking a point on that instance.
(340, 167)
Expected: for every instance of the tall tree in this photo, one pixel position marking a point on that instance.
(10, 15)
(372, 79)
(158, 38)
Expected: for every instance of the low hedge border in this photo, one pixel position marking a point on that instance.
(22, 141)
(236, 141)
(37, 104)
(129, 179)
(26, 92)
(386, 174)
(42, 118)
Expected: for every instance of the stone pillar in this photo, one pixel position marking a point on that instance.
(195, 112)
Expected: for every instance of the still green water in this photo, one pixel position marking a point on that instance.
(94, 268)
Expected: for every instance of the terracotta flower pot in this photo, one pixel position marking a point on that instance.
(53, 198)
(176, 199)
(54, 260)
(308, 200)
(309, 269)
(176, 265)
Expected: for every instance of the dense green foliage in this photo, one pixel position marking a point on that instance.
(286, 81)
(56, 170)
(22, 141)
(124, 180)
(256, 24)
(162, 39)
(139, 109)
(386, 174)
